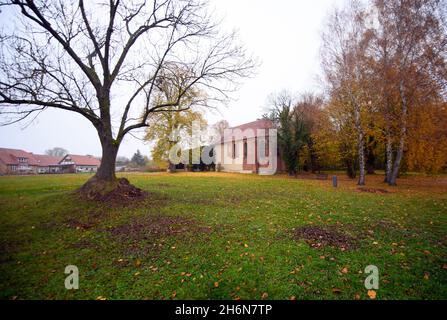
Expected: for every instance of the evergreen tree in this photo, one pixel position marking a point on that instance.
(138, 159)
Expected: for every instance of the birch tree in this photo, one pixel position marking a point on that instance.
(343, 50)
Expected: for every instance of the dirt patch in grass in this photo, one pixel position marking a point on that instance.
(156, 226)
(147, 235)
(83, 244)
(49, 225)
(373, 190)
(79, 225)
(86, 221)
(9, 248)
(385, 225)
(322, 236)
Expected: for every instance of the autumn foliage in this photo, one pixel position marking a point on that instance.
(384, 66)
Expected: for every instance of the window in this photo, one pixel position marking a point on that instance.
(267, 145)
(233, 154)
(245, 149)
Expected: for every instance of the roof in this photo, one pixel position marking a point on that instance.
(254, 125)
(258, 124)
(45, 160)
(83, 160)
(10, 156)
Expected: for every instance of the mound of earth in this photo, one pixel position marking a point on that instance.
(121, 194)
(319, 236)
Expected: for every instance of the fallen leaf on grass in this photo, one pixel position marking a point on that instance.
(101, 298)
(216, 284)
(336, 290)
(344, 270)
(264, 295)
(372, 294)
(426, 276)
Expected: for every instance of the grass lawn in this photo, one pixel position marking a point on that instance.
(224, 236)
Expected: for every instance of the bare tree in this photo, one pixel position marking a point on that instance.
(343, 50)
(219, 127)
(106, 59)
(56, 152)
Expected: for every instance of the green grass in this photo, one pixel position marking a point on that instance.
(249, 251)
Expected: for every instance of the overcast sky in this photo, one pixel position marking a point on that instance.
(283, 34)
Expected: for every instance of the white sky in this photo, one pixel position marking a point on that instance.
(283, 34)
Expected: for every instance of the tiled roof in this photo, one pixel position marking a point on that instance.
(83, 160)
(10, 156)
(45, 160)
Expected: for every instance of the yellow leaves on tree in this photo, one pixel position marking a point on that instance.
(427, 138)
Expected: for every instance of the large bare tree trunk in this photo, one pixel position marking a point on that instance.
(106, 171)
(104, 181)
(403, 133)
